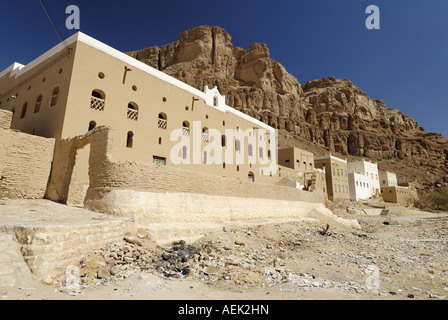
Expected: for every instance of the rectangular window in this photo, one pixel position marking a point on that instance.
(159, 160)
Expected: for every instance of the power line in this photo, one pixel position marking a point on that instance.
(53, 21)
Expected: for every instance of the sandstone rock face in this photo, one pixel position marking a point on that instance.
(251, 81)
(331, 114)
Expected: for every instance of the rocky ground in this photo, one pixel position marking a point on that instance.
(400, 255)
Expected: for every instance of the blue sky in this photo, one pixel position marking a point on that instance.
(405, 63)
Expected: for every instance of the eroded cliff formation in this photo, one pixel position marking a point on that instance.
(332, 114)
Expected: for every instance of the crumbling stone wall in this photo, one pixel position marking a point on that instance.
(25, 161)
(165, 193)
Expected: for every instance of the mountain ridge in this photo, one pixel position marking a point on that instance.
(322, 115)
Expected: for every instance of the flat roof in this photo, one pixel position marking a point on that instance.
(18, 69)
(329, 156)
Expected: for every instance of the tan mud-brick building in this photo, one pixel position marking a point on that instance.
(83, 84)
(336, 176)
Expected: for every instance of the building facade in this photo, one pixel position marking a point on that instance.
(297, 159)
(404, 196)
(369, 170)
(82, 84)
(359, 186)
(336, 174)
(387, 179)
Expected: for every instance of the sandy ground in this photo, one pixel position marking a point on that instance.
(399, 256)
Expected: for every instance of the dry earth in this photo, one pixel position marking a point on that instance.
(397, 256)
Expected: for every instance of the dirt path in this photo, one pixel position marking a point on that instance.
(400, 256)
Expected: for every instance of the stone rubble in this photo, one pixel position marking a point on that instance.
(292, 257)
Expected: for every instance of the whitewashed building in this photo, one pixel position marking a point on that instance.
(388, 179)
(359, 185)
(370, 171)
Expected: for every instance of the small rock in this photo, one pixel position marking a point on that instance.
(115, 270)
(212, 270)
(288, 288)
(103, 273)
(128, 273)
(410, 295)
(26, 289)
(435, 296)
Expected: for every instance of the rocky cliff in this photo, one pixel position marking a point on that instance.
(321, 115)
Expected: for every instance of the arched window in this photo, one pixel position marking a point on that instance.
(251, 177)
(162, 121)
(25, 106)
(260, 153)
(92, 125)
(130, 140)
(38, 104)
(54, 97)
(205, 157)
(250, 150)
(98, 100)
(215, 101)
(184, 152)
(185, 128)
(132, 111)
(98, 94)
(223, 140)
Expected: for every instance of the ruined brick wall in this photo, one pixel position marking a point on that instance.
(25, 161)
(5, 119)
